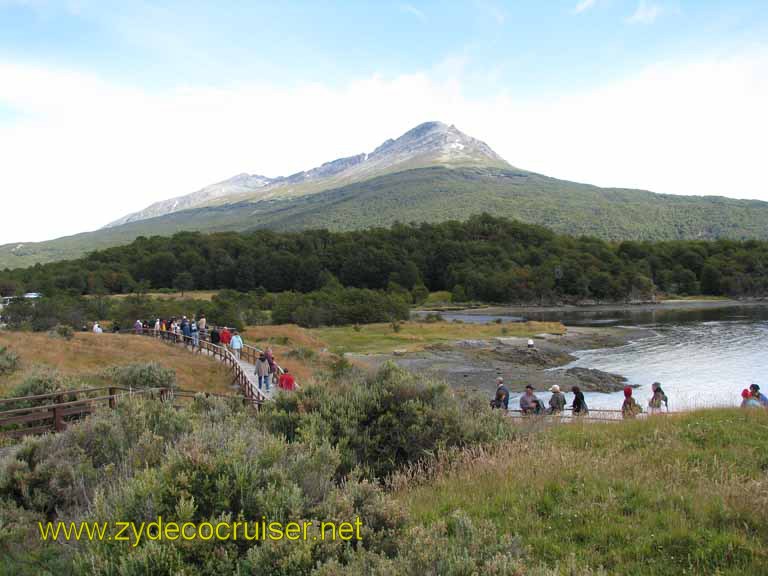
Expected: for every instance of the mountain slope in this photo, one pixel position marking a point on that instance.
(438, 193)
(431, 173)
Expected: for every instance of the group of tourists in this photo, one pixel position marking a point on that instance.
(530, 404)
(752, 398)
(193, 331)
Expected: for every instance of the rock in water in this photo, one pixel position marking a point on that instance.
(597, 380)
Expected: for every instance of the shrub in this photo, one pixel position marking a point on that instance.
(433, 317)
(9, 361)
(41, 381)
(338, 306)
(62, 331)
(148, 375)
(382, 422)
(439, 297)
(302, 353)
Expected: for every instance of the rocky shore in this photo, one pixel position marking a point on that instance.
(474, 364)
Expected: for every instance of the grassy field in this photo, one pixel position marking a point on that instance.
(376, 338)
(305, 351)
(90, 353)
(682, 495)
(205, 295)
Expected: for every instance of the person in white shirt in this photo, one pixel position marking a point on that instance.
(96, 328)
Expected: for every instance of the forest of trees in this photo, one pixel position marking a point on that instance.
(485, 259)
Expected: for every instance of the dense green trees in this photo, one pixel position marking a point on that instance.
(484, 258)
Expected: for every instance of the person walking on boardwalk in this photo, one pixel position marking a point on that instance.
(759, 396)
(262, 371)
(557, 401)
(157, 325)
(97, 328)
(658, 398)
(630, 407)
(138, 327)
(270, 359)
(501, 400)
(747, 400)
(286, 381)
(579, 405)
(226, 337)
(215, 336)
(195, 333)
(236, 343)
(202, 326)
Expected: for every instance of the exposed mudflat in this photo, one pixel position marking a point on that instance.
(475, 364)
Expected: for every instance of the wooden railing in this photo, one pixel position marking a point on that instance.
(251, 353)
(593, 415)
(52, 412)
(240, 376)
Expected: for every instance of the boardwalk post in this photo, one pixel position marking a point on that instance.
(112, 399)
(58, 417)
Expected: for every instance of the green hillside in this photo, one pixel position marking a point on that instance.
(436, 194)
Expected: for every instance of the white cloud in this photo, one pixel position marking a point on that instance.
(85, 151)
(583, 6)
(492, 10)
(646, 13)
(411, 9)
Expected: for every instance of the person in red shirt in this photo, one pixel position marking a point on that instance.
(226, 336)
(286, 381)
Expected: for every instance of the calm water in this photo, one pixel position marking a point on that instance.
(701, 357)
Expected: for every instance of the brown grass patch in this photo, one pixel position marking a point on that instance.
(90, 353)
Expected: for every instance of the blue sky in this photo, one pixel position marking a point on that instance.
(219, 88)
(526, 46)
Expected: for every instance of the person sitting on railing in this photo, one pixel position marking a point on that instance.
(579, 405)
(761, 398)
(501, 400)
(630, 407)
(747, 400)
(529, 403)
(236, 343)
(262, 371)
(286, 381)
(556, 401)
(657, 399)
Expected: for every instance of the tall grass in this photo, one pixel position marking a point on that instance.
(678, 495)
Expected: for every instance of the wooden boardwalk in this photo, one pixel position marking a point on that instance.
(23, 416)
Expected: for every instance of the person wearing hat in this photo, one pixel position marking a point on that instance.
(502, 395)
(556, 401)
(761, 398)
(529, 403)
(747, 400)
(630, 408)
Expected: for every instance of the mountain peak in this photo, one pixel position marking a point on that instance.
(440, 143)
(428, 144)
